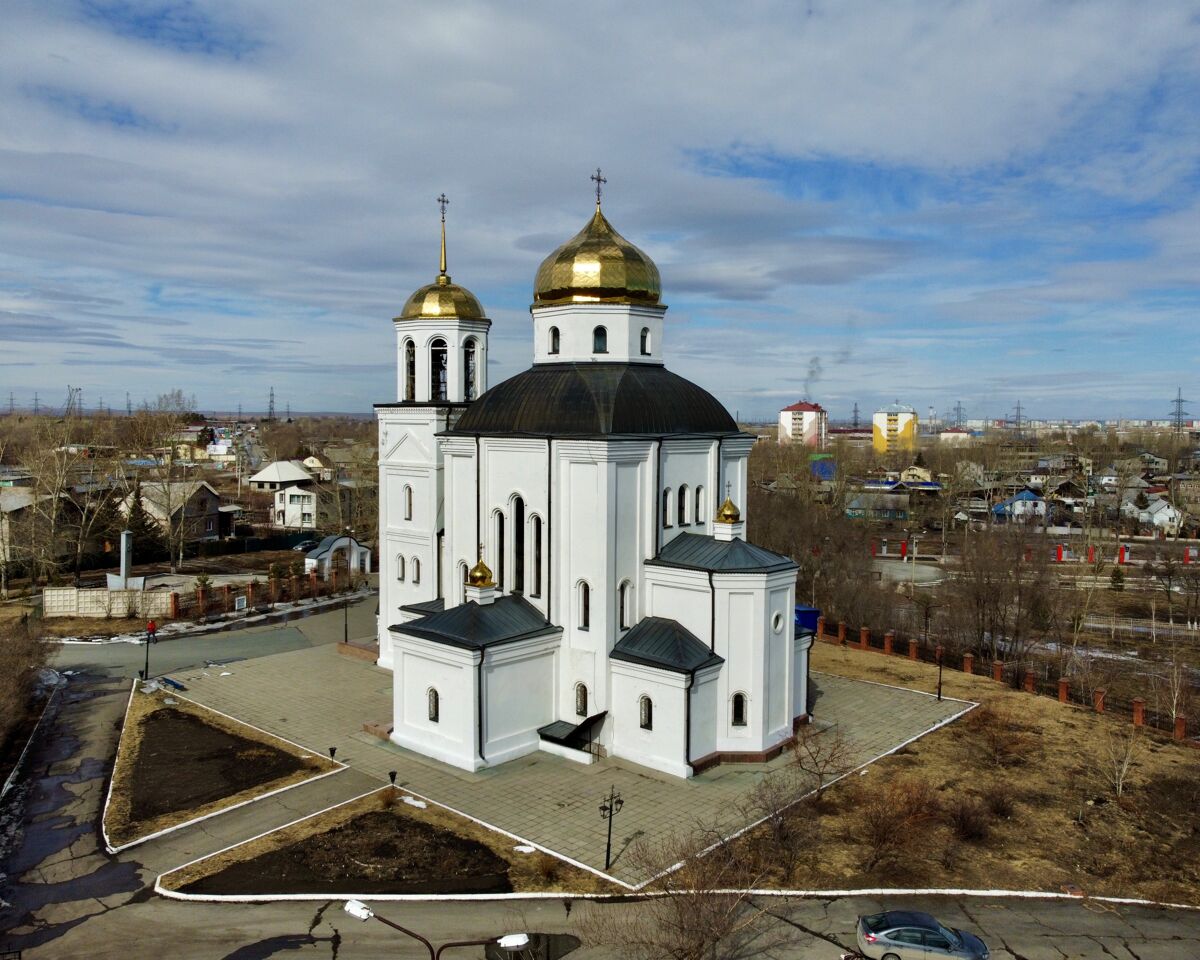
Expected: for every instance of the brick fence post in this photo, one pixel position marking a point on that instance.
(968, 663)
(174, 607)
(864, 638)
(912, 649)
(998, 671)
(1098, 700)
(1030, 683)
(820, 627)
(1180, 728)
(250, 595)
(226, 602)
(295, 587)
(201, 602)
(842, 632)
(889, 641)
(1139, 711)
(312, 583)
(1064, 690)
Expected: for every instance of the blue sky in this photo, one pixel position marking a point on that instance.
(926, 201)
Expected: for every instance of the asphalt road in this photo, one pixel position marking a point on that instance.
(64, 898)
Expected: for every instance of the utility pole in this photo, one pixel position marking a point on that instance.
(609, 808)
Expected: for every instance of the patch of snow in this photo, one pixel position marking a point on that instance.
(414, 802)
(524, 848)
(225, 673)
(170, 701)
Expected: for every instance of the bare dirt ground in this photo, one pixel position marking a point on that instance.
(178, 761)
(1017, 797)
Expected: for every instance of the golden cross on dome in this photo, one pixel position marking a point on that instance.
(600, 181)
(443, 201)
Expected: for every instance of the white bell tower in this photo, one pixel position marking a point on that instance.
(441, 367)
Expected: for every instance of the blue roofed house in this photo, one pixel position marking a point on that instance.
(1023, 507)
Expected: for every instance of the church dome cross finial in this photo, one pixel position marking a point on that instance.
(443, 201)
(599, 180)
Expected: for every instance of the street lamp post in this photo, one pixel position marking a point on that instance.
(608, 809)
(511, 942)
(346, 605)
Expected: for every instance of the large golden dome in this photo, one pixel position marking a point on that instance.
(442, 299)
(597, 265)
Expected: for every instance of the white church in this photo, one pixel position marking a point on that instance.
(563, 564)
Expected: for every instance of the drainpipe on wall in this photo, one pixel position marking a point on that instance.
(712, 620)
(479, 704)
(687, 721)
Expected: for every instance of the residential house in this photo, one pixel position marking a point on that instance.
(200, 505)
(281, 474)
(1158, 514)
(1024, 506)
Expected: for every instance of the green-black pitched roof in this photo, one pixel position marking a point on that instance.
(666, 644)
(474, 626)
(693, 551)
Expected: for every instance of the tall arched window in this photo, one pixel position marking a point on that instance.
(585, 606)
(700, 510)
(400, 568)
(668, 503)
(645, 341)
(600, 340)
(410, 370)
(684, 503)
(415, 567)
(518, 512)
(408, 501)
(463, 574)
(438, 387)
(646, 713)
(434, 703)
(581, 700)
(470, 382)
(624, 595)
(500, 570)
(552, 346)
(739, 709)
(535, 532)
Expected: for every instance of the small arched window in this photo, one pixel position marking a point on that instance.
(739, 709)
(408, 500)
(410, 370)
(438, 369)
(684, 503)
(581, 700)
(400, 569)
(646, 713)
(470, 380)
(645, 341)
(416, 570)
(623, 604)
(668, 503)
(552, 346)
(700, 511)
(585, 607)
(434, 703)
(600, 340)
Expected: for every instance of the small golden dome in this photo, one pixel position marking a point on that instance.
(480, 575)
(442, 299)
(597, 265)
(729, 513)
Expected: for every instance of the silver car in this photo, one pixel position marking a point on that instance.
(910, 935)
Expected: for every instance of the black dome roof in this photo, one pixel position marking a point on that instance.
(591, 399)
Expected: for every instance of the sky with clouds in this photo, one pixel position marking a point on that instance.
(858, 202)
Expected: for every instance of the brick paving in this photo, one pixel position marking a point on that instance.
(320, 699)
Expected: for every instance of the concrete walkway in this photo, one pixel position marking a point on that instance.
(320, 699)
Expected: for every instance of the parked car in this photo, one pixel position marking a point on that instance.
(305, 545)
(910, 935)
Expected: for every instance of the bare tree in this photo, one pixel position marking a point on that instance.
(1119, 750)
(824, 755)
(894, 818)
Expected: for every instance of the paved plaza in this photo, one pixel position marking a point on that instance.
(320, 699)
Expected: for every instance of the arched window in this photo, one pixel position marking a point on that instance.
(700, 511)
(435, 704)
(552, 347)
(600, 340)
(646, 713)
(585, 606)
(408, 500)
(668, 503)
(400, 569)
(518, 512)
(469, 372)
(739, 709)
(410, 370)
(684, 503)
(437, 370)
(581, 698)
(416, 570)
(645, 341)
(463, 575)
(500, 550)
(535, 532)
(624, 594)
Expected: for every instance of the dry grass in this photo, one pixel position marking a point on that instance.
(535, 872)
(1051, 818)
(117, 823)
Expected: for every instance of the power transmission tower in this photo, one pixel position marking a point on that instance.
(12, 404)
(271, 407)
(1017, 421)
(37, 406)
(128, 405)
(239, 413)
(854, 417)
(960, 417)
(1177, 414)
(74, 402)
(289, 411)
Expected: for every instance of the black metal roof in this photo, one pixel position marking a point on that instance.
(693, 551)
(666, 644)
(596, 399)
(436, 605)
(474, 626)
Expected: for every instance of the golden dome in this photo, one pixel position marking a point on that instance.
(480, 575)
(729, 513)
(442, 299)
(597, 265)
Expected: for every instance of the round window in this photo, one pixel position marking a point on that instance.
(777, 623)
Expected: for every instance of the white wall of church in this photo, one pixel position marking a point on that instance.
(681, 595)
(708, 712)
(662, 746)
(576, 324)
(518, 695)
(419, 667)
(800, 649)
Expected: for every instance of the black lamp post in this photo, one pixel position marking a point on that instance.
(608, 809)
(346, 605)
(510, 943)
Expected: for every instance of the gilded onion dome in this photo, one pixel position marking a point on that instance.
(597, 265)
(480, 575)
(442, 298)
(729, 513)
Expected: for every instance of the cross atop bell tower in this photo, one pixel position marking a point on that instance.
(599, 180)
